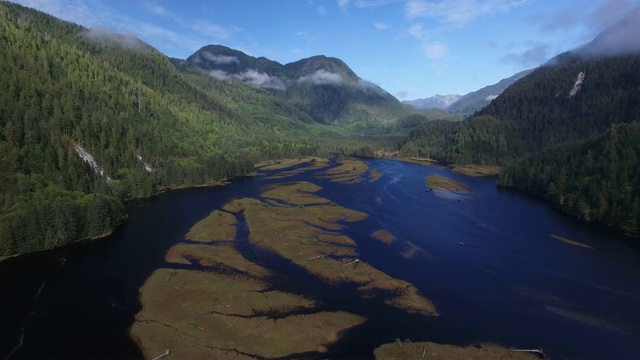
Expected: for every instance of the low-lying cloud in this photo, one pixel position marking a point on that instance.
(622, 38)
(322, 77)
(106, 35)
(534, 56)
(251, 77)
(220, 59)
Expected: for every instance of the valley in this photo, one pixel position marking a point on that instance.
(272, 259)
(227, 205)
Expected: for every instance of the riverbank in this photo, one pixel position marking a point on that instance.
(473, 170)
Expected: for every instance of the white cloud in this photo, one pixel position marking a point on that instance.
(107, 35)
(322, 77)
(381, 26)
(262, 80)
(491, 97)
(535, 55)
(436, 50)
(363, 4)
(251, 77)
(458, 11)
(417, 31)
(220, 59)
(220, 75)
(344, 4)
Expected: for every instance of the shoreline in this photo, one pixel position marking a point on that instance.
(472, 170)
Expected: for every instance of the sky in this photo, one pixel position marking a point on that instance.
(411, 48)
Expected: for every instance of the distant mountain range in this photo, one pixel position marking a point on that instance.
(474, 101)
(470, 103)
(323, 87)
(434, 102)
(569, 131)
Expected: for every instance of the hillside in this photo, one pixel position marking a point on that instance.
(324, 87)
(90, 119)
(567, 132)
(476, 100)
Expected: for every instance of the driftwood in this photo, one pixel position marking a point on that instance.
(315, 258)
(166, 352)
(355, 262)
(539, 352)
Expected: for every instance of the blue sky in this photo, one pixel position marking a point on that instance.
(411, 48)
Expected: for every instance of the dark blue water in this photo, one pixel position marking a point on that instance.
(510, 283)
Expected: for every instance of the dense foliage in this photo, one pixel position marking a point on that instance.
(548, 129)
(593, 180)
(145, 123)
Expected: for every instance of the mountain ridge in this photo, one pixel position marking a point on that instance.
(476, 100)
(324, 87)
(434, 102)
(567, 132)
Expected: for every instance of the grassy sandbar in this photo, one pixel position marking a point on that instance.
(476, 170)
(441, 183)
(572, 242)
(299, 193)
(384, 235)
(219, 225)
(287, 163)
(428, 350)
(203, 315)
(294, 232)
(207, 255)
(350, 171)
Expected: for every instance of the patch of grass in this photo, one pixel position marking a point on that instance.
(384, 235)
(218, 225)
(441, 183)
(408, 349)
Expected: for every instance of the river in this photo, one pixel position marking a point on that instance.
(486, 259)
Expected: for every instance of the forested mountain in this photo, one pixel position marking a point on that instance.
(89, 119)
(324, 87)
(434, 102)
(476, 100)
(568, 131)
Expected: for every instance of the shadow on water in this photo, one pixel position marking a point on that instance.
(79, 301)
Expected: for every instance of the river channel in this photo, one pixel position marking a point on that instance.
(486, 259)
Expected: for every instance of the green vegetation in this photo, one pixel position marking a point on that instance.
(147, 124)
(89, 120)
(594, 180)
(578, 151)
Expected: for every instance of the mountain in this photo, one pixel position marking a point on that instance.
(434, 102)
(90, 119)
(568, 132)
(324, 87)
(474, 101)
